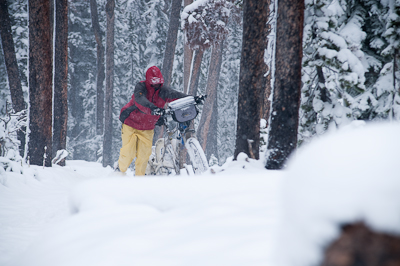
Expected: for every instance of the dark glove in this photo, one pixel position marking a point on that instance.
(200, 99)
(158, 111)
(160, 122)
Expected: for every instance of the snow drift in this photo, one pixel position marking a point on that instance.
(341, 178)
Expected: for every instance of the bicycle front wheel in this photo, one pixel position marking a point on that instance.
(197, 156)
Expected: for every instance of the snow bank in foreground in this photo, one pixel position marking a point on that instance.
(350, 176)
(223, 219)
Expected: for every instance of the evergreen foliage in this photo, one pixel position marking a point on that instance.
(349, 49)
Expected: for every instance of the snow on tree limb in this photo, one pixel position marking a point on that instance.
(205, 22)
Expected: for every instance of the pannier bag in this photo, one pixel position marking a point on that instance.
(183, 109)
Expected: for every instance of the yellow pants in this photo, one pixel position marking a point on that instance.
(135, 143)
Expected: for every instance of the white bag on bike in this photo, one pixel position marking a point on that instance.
(183, 109)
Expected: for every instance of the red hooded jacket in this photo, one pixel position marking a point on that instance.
(137, 113)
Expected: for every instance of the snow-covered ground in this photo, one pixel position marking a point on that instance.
(84, 214)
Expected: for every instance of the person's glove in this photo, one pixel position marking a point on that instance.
(200, 99)
(160, 122)
(158, 111)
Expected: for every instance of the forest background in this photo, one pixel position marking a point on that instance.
(349, 67)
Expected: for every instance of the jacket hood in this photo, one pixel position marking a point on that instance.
(154, 76)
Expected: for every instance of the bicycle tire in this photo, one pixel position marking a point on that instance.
(197, 156)
(175, 158)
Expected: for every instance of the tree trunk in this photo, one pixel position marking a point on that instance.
(265, 102)
(321, 83)
(359, 245)
(14, 80)
(100, 68)
(251, 81)
(208, 127)
(195, 72)
(107, 142)
(187, 59)
(51, 23)
(171, 41)
(60, 78)
(392, 113)
(40, 83)
(169, 54)
(282, 138)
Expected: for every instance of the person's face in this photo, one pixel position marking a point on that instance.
(156, 86)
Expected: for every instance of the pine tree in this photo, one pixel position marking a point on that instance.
(158, 27)
(14, 80)
(389, 95)
(60, 78)
(19, 18)
(108, 115)
(251, 81)
(11, 63)
(40, 83)
(171, 41)
(98, 34)
(282, 138)
(334, 91)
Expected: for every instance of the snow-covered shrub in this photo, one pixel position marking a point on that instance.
(12, 161)
(10, 124)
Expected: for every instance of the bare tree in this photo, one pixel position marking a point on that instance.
(208, 125)
(100, 68)
(265, 103)
(107, 142)
(60, 78)
(14, 80)
(40, 83)
(194, 77)
(7, 43)
(251, 78)
(208, 27)
(282, 138)
(169, 54)
(197, 36)
(187, 58)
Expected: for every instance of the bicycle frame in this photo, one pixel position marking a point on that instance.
(158, 164)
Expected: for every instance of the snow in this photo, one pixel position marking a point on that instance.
(182, 103)
(334, 9)
(191, 8)
(385, 81)
(352, 32)
(84, 214)
(349, 176)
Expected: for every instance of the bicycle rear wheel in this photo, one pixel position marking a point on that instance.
(197, 156)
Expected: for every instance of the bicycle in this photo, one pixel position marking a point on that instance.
(165, 158)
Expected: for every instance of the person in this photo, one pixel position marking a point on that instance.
(139, 118)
